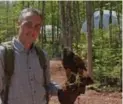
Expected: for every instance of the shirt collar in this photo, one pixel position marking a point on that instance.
(19, 46)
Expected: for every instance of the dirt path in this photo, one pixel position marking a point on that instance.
(90, 97)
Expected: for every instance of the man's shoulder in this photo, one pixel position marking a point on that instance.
(2, 47)
(2, 51)
(44, 53)
(41, 50)
(8, 43)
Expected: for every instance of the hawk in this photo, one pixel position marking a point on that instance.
(77, 77)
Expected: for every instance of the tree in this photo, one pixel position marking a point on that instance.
(63, 23)
(42, 37)
(89, 14)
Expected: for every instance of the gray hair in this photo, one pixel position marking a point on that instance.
(32, 10)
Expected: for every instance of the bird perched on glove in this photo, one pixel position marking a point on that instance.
(77, 77)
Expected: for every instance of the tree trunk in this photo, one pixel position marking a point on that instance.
(76, 23)
(110, 25)
(39, 4)
(63, 23)
(53, 35)
(69, 24)
(101, 21)
(119, 40)
(22, 4)
(101, 15)
(7, 15)
(89, 35)
(42, 36)
(52, 11)
(58, 35)
(28, 4)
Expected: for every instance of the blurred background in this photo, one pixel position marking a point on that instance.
(92, 29)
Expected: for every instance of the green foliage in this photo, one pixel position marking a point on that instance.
(106, 49)
(81, 47)
(107, 60)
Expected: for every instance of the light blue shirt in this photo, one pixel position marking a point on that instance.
(27, 82)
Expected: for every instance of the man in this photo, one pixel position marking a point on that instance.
(27, 81)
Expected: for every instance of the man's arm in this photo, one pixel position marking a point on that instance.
(53, 87)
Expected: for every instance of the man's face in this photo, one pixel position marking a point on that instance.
(30, 27)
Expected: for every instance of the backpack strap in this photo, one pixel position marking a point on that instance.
(8, 68)
(42, 60)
